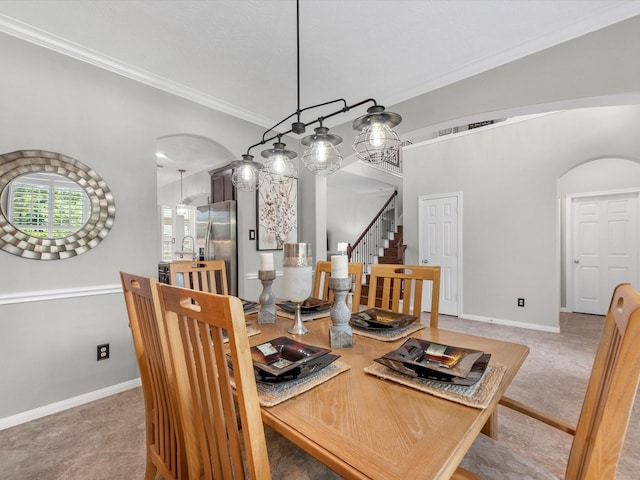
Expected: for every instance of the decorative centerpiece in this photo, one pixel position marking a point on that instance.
(297, 280)
(340, 333)
(267, 275)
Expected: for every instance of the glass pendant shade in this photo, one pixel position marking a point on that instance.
(278, 165)
(376, 138)
(246, 175)
(322, 157)
(181, 208)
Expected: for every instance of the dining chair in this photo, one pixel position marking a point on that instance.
(390, 283)
(216, 445)
(205, 275)
(599, 434)
(164, 444)
(321, 282)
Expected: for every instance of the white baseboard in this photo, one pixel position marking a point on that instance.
(511, 323)
(56, 407)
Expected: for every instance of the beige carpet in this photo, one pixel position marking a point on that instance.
(105, 439)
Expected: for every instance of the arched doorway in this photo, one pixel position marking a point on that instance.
(600, 231)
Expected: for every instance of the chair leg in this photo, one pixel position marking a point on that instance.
(150, 471)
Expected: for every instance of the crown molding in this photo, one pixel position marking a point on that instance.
(34, 35)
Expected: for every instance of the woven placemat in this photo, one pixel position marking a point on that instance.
(306, 317)
(478, 395)
(390, 335)
(251, 331)
(271, 394)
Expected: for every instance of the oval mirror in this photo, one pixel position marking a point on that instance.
(51, 206)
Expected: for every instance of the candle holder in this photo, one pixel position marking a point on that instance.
(267, 313)
(297, 280)
(340, 333)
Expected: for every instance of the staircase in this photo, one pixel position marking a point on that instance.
(391, 253)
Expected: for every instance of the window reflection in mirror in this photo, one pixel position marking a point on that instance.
(46, 205)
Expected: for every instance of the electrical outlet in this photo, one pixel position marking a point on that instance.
(521, 302)
(103, 351)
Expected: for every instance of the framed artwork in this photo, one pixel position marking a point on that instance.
(277, 212)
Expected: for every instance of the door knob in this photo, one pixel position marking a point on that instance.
(576, 261)
(425, 261)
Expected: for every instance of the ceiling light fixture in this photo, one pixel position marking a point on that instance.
(181, 208)
(278, 165)
(321, 157)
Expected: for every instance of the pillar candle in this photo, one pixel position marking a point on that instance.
(342, 247)
(339, 267)
(266, 261)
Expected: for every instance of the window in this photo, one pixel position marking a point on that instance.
(183, 226)
(47, 205)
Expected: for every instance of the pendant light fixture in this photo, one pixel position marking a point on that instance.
(278, 166)
(181, 208)
(372, 144)
(322, 157)
(246, 175)
(376, 137)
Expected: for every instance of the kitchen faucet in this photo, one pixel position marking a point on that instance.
(193, 246)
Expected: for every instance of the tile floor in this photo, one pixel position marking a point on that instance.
(105, 439)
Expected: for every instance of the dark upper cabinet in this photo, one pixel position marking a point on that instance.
(221, 187)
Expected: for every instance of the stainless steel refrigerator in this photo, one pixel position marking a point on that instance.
(216, 237)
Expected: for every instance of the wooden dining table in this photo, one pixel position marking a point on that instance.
(364, 427)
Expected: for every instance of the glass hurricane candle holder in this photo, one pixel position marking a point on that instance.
(297, 278)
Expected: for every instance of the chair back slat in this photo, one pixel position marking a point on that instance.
(165, 446)
(196, 323)
(399, 288)
(321, 282)
(610, 393)
(205, 276)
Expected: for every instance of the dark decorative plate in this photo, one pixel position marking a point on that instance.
(283, 359)
(249, 306)
(444, 363)
(310, 305)
(379, 319)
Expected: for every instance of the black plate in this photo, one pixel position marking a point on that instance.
(475, 374)
(379, 319)
(248, 306)
(310, 305)
(283, 359)
(422, 358)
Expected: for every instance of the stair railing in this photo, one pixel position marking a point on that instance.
(367, 247)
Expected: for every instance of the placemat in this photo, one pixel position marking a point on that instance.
(478, 395)
(390, 335)
(271, 394)
(306, 317)
(251, 331)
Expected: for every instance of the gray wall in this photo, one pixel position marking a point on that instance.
(509, 178)
(52, 102)
(55, 103)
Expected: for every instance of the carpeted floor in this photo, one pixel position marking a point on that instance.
(105, 439)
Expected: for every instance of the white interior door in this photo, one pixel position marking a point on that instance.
(439, 244)
(604, 248)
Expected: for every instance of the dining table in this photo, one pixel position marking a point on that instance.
(365, 427)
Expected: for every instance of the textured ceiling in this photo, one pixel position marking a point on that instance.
(239, 56)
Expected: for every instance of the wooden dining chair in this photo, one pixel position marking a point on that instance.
(165, 447)
(215, 444)
(321, 282)
(206, 276)
(388, 284)
(609, 399)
